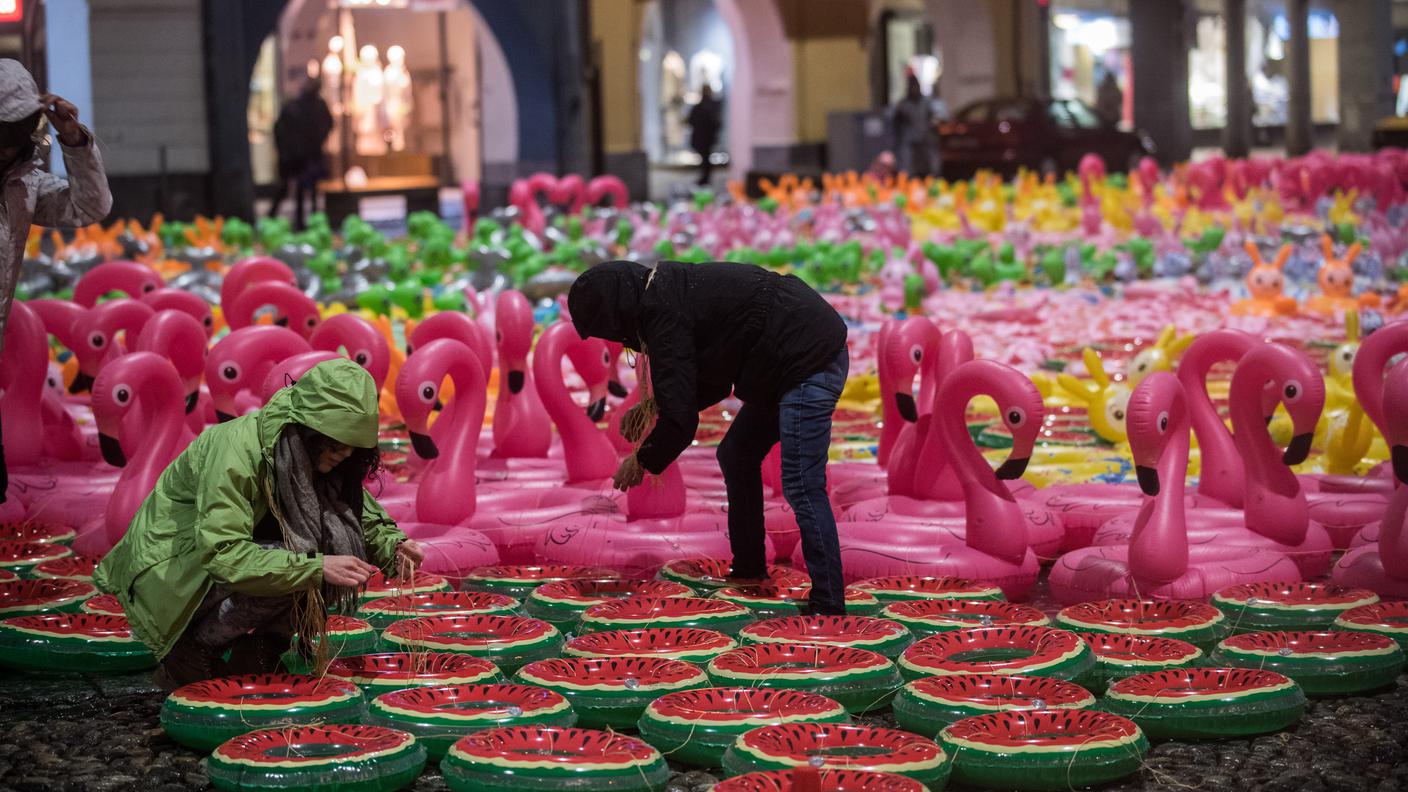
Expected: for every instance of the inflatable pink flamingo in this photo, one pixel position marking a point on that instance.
(59, 318)
(253, 270)
(96, 332)
(1382, 564)
(241, 360)
(521, 427)
(180, 339)
(994, 543)
(363, 343)
(1159, 563)
(148, 380)
(133, 279)
(938, 502)
(450, 324)
(608, 186)
(287, 371)
(1375, 352)
(293, 309)
(186, 302)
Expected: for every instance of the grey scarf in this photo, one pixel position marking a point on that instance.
(314, 515)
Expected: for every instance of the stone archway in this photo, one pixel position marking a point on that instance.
(762, 121)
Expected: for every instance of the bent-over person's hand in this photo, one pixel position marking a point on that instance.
(632, 427)
(341, 570)
(64, 116)
(628, 475)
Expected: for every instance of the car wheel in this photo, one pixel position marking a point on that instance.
(1049, 166)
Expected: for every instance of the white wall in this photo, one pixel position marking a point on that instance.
(964, 35)
(149, 85)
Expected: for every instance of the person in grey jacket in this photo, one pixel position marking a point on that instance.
(29, 194)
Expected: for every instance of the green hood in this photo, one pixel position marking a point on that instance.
(335, 397)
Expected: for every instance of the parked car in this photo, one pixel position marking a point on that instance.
(1046, 135)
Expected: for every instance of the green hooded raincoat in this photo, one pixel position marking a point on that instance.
(196, 528)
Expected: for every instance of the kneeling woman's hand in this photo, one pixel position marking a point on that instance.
(409, 556)
(341, 570)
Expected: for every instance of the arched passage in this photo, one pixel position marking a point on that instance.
(761, 123)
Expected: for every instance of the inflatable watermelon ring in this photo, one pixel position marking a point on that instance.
(507, 641)
(547, 759)
(202, 715)
(1384, 618)
(519, 580)
(1031, 651)
(72, 642)
(382, 613)
(323, 758)
(1120, 656)
(28, 597)
(927, 705)
(438, 716)
(829, 780)
(1197, 623)
(1253, 607)
(706, 574)
(1322, 663)
(612, 692)
(106, 604)
(839, 746)
(1044, 749)
(7, 576)
(562, 602)
(926, 617)
(73, 567)
(899, 588)
(675, 643)
(860, 679)
(770, 600)
(1203, 703)
(384, 672)
(33, 531)
(695, 727)
(884, 636)
(379, 585)
(21, 557)
(345, 636)
(684, 612)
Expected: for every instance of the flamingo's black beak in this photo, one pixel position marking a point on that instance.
(1399, 455)
(1013, 469)
(596, 410)
(191, 399)
(81, 383)
(112, 451)
(617, 389)
(424, 446)
(904, 402)
(1299, 449)
(516, 380)
(222, 417)
(1148, 479)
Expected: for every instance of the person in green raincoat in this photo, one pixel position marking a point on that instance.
(257, 530)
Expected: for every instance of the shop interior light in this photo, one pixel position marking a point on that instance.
(1065, 21)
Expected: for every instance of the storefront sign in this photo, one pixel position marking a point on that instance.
(11, 11)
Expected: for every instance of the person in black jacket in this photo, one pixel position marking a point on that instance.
(712, 329)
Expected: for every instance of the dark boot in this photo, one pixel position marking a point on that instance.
(257, 653)
(187, 662)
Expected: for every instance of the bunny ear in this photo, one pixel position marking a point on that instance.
(1351, 326)
(1352, 254)
(1281, 256)
(1079, 390)
(1166, 336)
(1254, 252)
(1327, 245)
(1096, 367)
(1181, 344)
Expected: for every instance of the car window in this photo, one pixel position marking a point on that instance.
(1015, 112)
(1084, 117)
(976, 114)
(1061, 117)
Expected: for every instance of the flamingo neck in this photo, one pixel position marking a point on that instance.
(1158, 546)
(454, 470)
(162, 416)
(1273, 504)
(585, 450)
(1369, 363)
(995, 522)
(25, 366)
(1222, 473)
(1393, 538)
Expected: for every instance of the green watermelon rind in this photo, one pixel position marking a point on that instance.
(857, 689)
(205, 725)
(858, 603)
(1257, 614)
(42, 551)
(1108, 669)
(566, 612)
(927, 624)
(388, 770)
(509, 655)
(741, 758)
(927, 715)
(702, 744)
(375, 685)
(468, 773)
(71, 601)
(697, 656)
(41, 652)
(613, 706)
(727, 621)
(1069, 665)
(438, 733)
(1370, 619)
(1072, 767)
(382, 613)
(891, 643)
(875, 586)
(430, 583)
(49, 532)
(707, 582)
(1320, 674)
(1261, 710)
(520, 587)
(1204, 635)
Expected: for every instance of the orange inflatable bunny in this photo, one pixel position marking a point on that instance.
(1265, 282)
(1336, 278)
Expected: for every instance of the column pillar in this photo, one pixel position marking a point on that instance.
(1236, 135)
(69, 69)
(1299, 134)
(1160, 61)
(1366, 69)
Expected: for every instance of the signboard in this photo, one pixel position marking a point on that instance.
(11, 11)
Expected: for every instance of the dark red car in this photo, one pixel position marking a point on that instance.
(1046, 135)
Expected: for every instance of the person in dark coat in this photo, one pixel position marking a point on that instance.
(705, 120)
(300, 133)
(711, 329)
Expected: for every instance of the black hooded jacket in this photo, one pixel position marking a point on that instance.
(709, 329)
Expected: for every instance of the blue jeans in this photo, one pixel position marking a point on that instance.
(802, 422)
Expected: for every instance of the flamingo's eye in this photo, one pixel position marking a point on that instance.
(97, 340)
(122, 394)
(1163, 422)
(916, 353)
(1015, 416)
(426, 391)
(1292, 391)
(231, 372)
